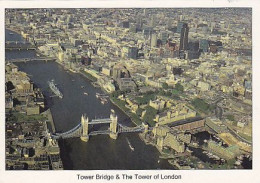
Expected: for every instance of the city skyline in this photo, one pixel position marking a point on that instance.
(181, 78)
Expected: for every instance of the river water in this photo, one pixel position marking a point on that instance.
(100, 152)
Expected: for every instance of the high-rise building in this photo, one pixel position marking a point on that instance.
(164, 37)
(169, 23)
(132, 28)
(204, 45)
(193, 52)
(181, 17)
(125, 24)
(132, 52)
(139, 23)
(193, 46)
(120, 71)
(179, 27)
(153, 40)
(147, 31)
(184, 37)
(145, 12)
(153, 21)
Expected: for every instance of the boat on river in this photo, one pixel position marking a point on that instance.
(103, 100)
(54, 89)
(129, 144)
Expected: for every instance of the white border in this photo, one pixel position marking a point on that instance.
(190, 176)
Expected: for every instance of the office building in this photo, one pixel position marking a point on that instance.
(132, 52)
(179, 27)
(164, 37)
(204, 45)
(153, 40)
(184, 37)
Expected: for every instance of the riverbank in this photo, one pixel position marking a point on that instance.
(124, 111)
(14, 30)
(88, 76)
(50, 120)
(163, 155)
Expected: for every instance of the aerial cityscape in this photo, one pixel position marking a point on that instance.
(133, 88)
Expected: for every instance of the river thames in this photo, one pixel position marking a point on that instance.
(100, 152)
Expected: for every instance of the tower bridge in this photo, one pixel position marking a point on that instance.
(82, 129)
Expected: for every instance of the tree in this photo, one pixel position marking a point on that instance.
(201, 105)
(115, 94)
(230, 117)
(175, 92)
(179, 87)
(165, 86)
(16, 102)
(144, 99)
(231, 162)
(139, 111)
(150, 115)
(161, 92)
(9, 85)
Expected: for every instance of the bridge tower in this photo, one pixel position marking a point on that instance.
(113, 125)
(84, 123)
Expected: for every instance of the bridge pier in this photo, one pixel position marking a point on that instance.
(84, 122)
(113, 125)
(146, 127)
(84, 138)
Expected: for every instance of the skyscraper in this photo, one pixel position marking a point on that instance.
(125, 24)
(132, 52)
(153, 40)
(184, 37)
(204, 45)
(163, 37)
(179, 27)
(153, 21)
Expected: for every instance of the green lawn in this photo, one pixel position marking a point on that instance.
(201, 105)
(89, 76)
(245, 137)
(19, 117)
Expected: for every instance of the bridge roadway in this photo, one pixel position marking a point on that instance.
(126, 129)
(74, 132)
(103, 132)
(100, 121)
(19, 45)
(71, 130)
(32, 59)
